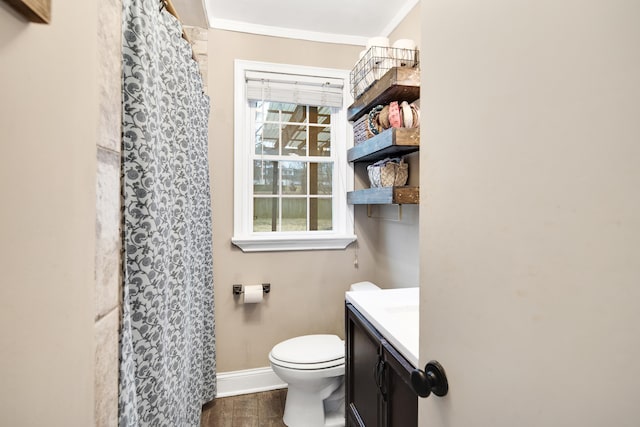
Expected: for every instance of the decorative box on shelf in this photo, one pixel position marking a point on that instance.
(361, 131)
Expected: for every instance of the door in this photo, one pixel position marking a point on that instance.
(530, 227)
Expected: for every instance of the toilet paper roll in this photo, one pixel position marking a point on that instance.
(253, 294)
(405, 44)
(378, 41)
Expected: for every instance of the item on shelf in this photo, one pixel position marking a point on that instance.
(374, 125)
(383, 117)
(394, 115)
(415, 112)
(407, 115)
(403, 46)
(376, 61)
(361, 130)
(378, 41)
(388, 173)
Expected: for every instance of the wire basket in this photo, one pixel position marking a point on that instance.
(376, 62)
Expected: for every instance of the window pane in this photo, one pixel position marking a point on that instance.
(320, 214)
(265, 177)
(265, 214)
(267, 138)
(294, 177)
(294, 140)
(293, 113)
(320, 115)
(294, 214)
(272, 112)
(319, 141)
(259, 111)
(320, 178)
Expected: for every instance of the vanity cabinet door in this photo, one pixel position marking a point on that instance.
(378, 378)
(400, 408)
(363, 361)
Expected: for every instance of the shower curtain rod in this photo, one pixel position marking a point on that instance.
(170, 8)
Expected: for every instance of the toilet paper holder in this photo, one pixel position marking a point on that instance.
(239, 289)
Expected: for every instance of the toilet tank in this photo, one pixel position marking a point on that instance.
(363, 286)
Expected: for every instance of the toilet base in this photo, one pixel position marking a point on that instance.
(303, 410)
(334, 419)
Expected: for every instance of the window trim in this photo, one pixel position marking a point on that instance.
(343, 217)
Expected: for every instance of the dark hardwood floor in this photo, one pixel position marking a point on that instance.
(249, 410)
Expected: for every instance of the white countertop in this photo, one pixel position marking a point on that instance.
(395, 314)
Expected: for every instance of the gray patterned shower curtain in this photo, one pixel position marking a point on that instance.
(167, 341)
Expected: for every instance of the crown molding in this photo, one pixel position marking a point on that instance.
(399, 17)
(290, 33)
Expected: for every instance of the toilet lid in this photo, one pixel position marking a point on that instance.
(309, 349)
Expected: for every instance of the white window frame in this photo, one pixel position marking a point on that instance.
(342, 216)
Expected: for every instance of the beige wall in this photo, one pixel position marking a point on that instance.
(409, 28)
(48, 121)
(530, 231)
(307, 287)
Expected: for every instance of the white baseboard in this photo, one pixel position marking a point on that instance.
(247, 381)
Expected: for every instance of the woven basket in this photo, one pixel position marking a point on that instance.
(388, 173)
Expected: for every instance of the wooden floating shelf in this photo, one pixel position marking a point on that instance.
(38, 11)
(391, 142)
(398, 83)
(385, 196)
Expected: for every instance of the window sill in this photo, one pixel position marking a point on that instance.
(292, 243)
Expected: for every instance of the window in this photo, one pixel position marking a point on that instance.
(291, 174)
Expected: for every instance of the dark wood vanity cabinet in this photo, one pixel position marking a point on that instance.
(363, 355)
(378, 385)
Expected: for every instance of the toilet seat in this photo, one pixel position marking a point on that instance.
(309, 352)
(308, 366)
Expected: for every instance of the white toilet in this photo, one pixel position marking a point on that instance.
(313, 367)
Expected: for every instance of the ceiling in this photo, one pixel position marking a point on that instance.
(333, 21)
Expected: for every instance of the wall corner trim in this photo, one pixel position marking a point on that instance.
(399, 17)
